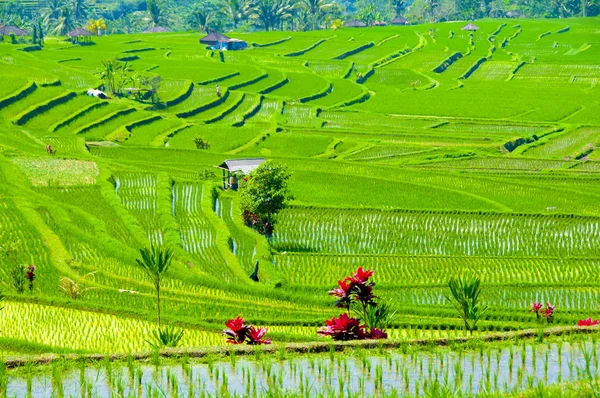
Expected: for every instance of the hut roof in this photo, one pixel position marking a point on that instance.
(214, 37)
(243, 165)
(356, 24)
(470, 27)
(399, 20)
(9, 29)
(156, 29)
(79, 32)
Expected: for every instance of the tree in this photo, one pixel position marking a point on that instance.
(316, 9)
(96, 26)
(266, 193)
(65, 22)
(465, 298)
(114, 74)
(368, 15)
(398, 6)
(155, 262)
(271, 13)
(80, 9)
(235, 10)
(200, 17)
(156, 13)
(52, 10)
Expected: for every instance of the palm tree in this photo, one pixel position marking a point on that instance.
(398, 6)
(271, 13)
(156, 13)
(52, 10)
(96, 26)
(200, 17)
(316, 9)
(155, 262)
(80, 9)
(235, 10)
(65, 22)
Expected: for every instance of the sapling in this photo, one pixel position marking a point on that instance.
(465, 291)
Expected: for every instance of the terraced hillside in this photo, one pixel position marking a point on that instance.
(416, 151)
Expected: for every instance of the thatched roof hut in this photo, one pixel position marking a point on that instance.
(80, 32)
(400, 20)
(80, 35)
(356, 24)
(156, 29)
(471, 27)
(214, 38)
(12, 30)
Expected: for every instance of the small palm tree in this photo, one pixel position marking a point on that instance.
(155, 263)
(465, 298)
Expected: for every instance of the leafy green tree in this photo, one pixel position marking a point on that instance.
(114, 74)
(266, 193)
(155, 262)
(465, 292)
(368, 15)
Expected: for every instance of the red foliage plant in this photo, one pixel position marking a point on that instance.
(355, 289)
(238, 333)
(587, 322)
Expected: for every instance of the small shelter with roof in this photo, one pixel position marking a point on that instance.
(400, 20)
(156, 29)
(218, 41)
(80, 35)
(356, 24)
(12, 30)
(234, 168)
(470, 27)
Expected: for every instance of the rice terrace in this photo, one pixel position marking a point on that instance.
(299, 199)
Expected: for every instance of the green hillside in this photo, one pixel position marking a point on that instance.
(415, 151)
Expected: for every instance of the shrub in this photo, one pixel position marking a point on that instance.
(167, 337)
(72, 289)
(18, 277)
(201, 143)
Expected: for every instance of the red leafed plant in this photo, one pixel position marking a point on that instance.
(355, 293)
(343, 328)
(238, 333)
(587, 322)
(255, 336)
(540, 311)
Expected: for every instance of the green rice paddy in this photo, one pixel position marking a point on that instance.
(406, 158)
